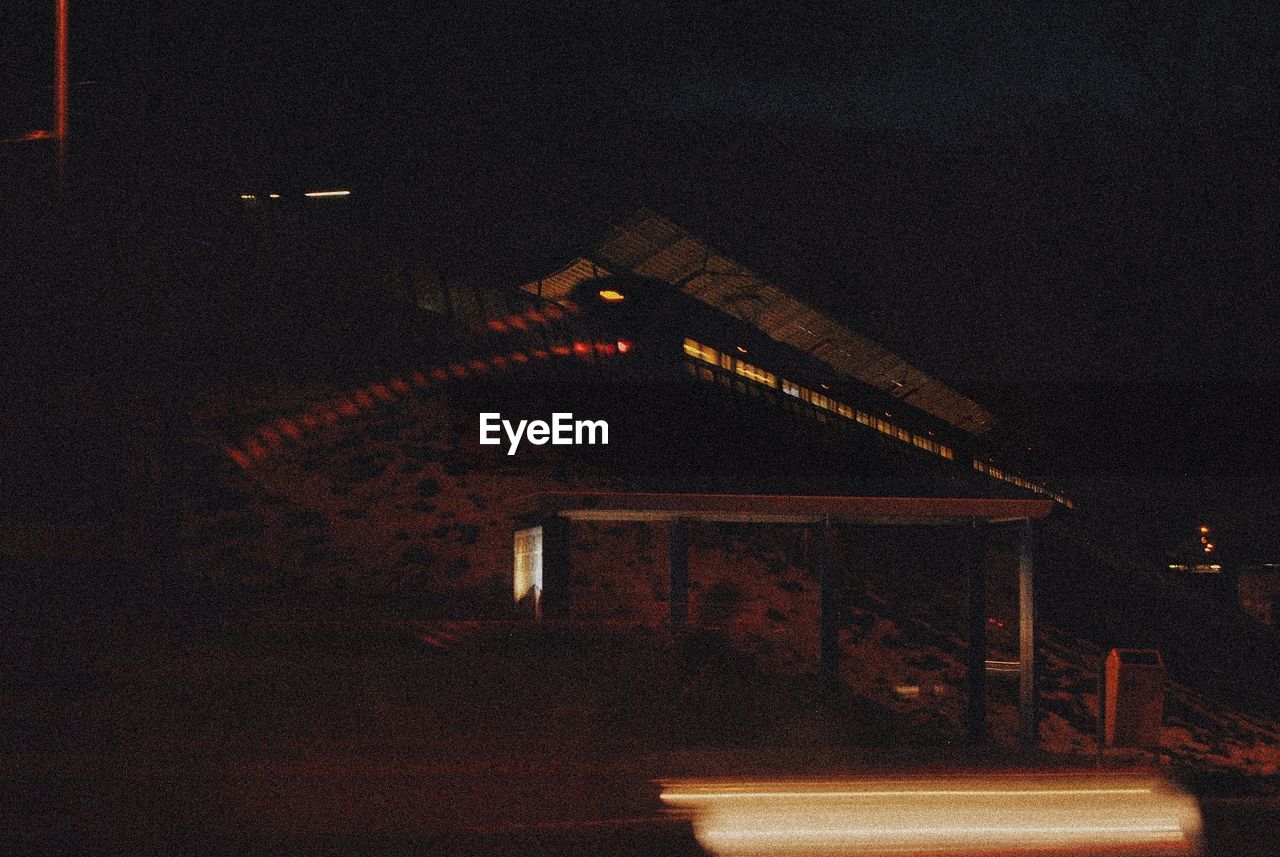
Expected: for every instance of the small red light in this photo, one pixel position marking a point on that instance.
(606, 347)
(552, 312)
(363, 399)
(479, 366)
(519, 357)
(536, 317)
(399, 385)
(309, 421)
(418, 379)
(347, 409)
(272, 437)
(499, 362)
(581, 348)
(561, 350)
(440, 374)
(255, 449)
(458, 370)
(497, 325)
(288, 427)
(239, 458)
(517, 322)
(540, 354)
(624, 346)
(381, 392)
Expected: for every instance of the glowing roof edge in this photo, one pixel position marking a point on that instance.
(649, 245)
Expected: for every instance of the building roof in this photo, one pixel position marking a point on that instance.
(779, 509)
(649, 245)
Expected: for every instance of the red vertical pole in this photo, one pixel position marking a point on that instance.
(60, 81)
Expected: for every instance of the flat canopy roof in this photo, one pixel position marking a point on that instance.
(779, 509)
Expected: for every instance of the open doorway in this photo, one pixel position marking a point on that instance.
(528, 571)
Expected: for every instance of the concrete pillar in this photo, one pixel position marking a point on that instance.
(973, 548)
(556, 568)
(826, 567)
(678, 568)
(1028, 694)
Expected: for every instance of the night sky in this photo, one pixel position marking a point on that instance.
(1069, 213)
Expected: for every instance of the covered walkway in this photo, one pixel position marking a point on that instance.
(543, 555)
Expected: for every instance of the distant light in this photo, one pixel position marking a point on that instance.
(741, 350)
(1204, 528)
(274, 195)
(624, 346)
(247, 196)
(611, 295)
(313, 194)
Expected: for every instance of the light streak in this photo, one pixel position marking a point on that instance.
(316, 194)
(965, 814)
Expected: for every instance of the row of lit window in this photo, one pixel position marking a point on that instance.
(729, 363)
(1026, 484)
(822, 401)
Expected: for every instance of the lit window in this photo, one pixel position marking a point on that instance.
(862, 417)
(703, 352)
(791, 388)
(760, 376)
(610, 295)
(945, 452)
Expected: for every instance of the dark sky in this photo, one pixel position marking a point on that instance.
(1068, 212)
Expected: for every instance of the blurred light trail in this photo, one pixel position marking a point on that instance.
(965, 814)
(316, 194)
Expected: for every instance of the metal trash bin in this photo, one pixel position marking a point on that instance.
(1133, 698)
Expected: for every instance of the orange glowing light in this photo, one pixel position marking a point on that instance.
(540, 354)
(347, 409)
(967, 814)
(624, 346)
(561, 350)
(479, 366)
(458, 370)
(519, 357)
(517, 322)
(363, 399)
(611, 295)
(381, 392)
(581, 348)
(239, 457)
(256, 449)
(418, 379)
(552, 312)
(289, 428)
(440, 374)
(497, 325)
(399, 385)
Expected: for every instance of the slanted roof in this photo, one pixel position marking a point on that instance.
(779, 509)
(649, 245)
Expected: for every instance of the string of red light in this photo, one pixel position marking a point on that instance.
(277, 435)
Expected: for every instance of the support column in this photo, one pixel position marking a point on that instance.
(973, 549)
(678, 568)
(556, 568)
(1028, 695)
(827, 568)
